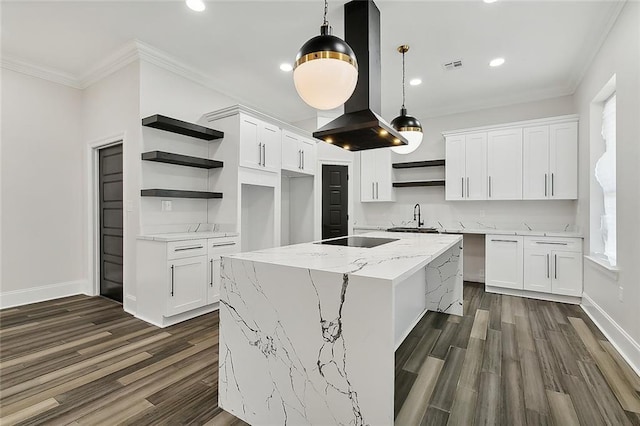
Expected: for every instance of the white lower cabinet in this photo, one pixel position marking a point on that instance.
(179, 280)
(186, 291)
(504, 261)
(217, 249)
(544, 265)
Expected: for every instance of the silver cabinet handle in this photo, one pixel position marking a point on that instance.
(467, 187)
(223, 244)
(211, 268)
(553, 191)
(303, 159)
(300, 159)
(505, 241)
(489, 186)
(187, 248)
(373, 190)
(377, 193)
(551, 242)
(260, 154)
(264, 154)
(545, 184)
(462, 193)
(171, 280)
(548, 273)
(555, 266)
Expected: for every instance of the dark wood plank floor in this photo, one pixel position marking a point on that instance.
(508, 360)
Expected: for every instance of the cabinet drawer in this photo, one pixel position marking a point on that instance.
(183, 249)
(553, 243)
(222, 246)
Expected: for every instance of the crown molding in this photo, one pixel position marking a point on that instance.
(117, 60)
(581, 69)
(49, 74)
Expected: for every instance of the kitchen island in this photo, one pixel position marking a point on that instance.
(308, 332)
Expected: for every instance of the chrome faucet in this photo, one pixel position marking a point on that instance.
(417, 215)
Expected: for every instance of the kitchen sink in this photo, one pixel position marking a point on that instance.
(416, 230)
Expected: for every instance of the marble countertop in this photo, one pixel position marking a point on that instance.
(393, 261)
(494, 231)
(185, 236)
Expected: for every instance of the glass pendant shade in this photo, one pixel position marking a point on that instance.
(410, 128)
(326, 71)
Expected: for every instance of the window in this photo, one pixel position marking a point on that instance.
(605, 175)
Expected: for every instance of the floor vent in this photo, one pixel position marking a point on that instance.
(452, 65)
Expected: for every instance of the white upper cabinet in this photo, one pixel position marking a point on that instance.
(259, 144)
(551, 162)
(527, 160)
(298, 153)
(466, 167)
(376, 175)
(504, 164)
(536, 180)
(563, 160)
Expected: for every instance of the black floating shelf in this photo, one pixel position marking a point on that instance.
(182, 127)
(177, 193)
(181, 160)
(419, 183)
(414, 164)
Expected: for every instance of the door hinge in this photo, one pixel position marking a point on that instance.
(347, 176)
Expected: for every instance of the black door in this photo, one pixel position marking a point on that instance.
(334, 201)
(110, 181)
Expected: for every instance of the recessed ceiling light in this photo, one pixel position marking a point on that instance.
(197, 5)
(496, 62)
(490, 1)
(415, 81)
(286, 67)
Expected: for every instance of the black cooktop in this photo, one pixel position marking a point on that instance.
(366, 242)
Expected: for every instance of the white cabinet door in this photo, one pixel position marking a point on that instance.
(187, 284)
(454, 170)
(218, 248)
(250, 148)
(476, 166)
(504, 261)
(270, 138)
(537, 270)
(535, 174)
(504, 164)
(368, 175)
(563, 160)
(291, 155)
(308, 148)
(384, 175)
(567, 273)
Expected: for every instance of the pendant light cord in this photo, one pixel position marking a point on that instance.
(326, 8)
(403, 94)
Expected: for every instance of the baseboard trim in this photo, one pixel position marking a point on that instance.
(534, 295)
(10, 299)
(628, 348)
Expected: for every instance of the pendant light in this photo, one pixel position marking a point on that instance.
(408, 126)
(326, 71)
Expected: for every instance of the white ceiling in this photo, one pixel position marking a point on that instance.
(240, 45)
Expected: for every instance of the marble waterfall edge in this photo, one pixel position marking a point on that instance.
(315, 349)
(444, 282)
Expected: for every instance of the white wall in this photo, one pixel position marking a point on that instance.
(111, 111)
(42, 196)
(166, 93)
(619, 55)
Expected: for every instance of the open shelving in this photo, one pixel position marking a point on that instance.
(435, 182)
(181, 160)
(414, 164)
(179, 193)
(174, 125)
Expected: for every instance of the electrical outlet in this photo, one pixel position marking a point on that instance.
(166, 205)
(620, 293)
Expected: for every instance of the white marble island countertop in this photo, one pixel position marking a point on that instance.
(391, 261)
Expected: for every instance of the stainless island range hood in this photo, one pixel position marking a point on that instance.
(360, 127)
